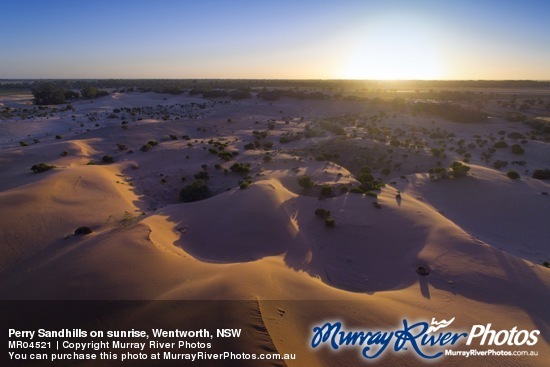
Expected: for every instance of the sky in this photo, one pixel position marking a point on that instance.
(282, 39)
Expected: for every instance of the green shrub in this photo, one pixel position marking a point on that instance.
(195, 191)
(322, 213)
(438, 173)
(500, 145)
(107, 159)
(541, 174)
(226, 156)
(202, 175)
(41, 167)
(513, 175)
(438, 152)
(244, 185)
(517, 149)
(458, 169)
(241, 168)
(498, 164)
(58, 137)
(23, 144)
(326, 191)
(305, 182)
(330, 222)
(149, 145)
(367, 180)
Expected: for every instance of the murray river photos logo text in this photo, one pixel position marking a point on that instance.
(428, 341)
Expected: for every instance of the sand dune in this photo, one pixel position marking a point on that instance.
(483, 237)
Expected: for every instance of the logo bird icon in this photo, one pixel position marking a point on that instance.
(439, 325)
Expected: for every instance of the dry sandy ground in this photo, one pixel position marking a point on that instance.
(483, 236)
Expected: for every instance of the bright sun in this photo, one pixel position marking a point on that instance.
(391, 53)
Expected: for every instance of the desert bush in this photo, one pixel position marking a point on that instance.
(226, 156)
(513, 175)
(23, 144)
(41, 167)
(437, 173)
(49, 93)
(516, 135)
(202, 175)
(322, 213)
(305, 182)
(541, 174)
(239, 94)
(517, 149)
(107, 159)
(266, 158)
(58, 137)
(195, 191)
(458, 169)
(250, 146)
(367, 180)
(148, 146)
(498, 164)
(500, 145)
(330, 222)
(326, 191)
(244, 185)
(241, 168)
(92, 92)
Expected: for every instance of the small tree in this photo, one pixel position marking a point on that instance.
(326, 191)
(195, 191)
(107, 159)
(41, 167)
(517, 149)
(542, 174)
(458, 169)
(513, 175)
(305, 182)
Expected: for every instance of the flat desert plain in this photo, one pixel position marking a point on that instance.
(346, 206)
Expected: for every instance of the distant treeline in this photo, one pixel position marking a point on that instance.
(63, 91)
(449, 111)
(179, 85)
(45, 93)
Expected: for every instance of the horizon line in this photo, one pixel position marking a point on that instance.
(286, 79)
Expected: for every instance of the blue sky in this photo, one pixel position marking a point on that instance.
(466, 39)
